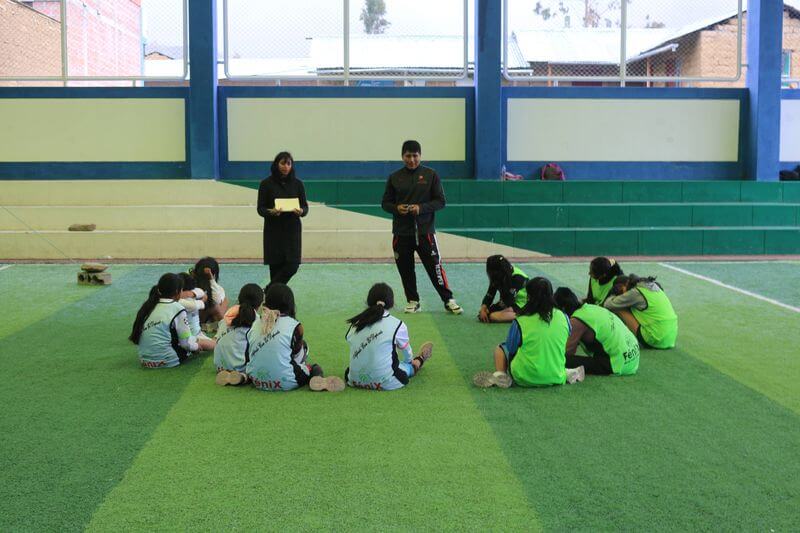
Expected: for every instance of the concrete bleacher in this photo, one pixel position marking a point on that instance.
(184, 219)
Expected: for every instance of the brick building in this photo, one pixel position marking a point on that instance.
(104, 38)
(704, 49)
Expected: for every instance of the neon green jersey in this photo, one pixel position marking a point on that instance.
(541, 358)
(658, 322)
(600, 292)
(616, 339)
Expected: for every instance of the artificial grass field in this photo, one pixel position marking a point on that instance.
(705, 436)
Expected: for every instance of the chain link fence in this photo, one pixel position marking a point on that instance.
(335, 41)
(92, 42)
(663, 42)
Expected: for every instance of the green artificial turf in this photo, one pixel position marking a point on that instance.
(704, 437)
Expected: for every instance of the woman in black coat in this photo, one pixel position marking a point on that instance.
(282, 229)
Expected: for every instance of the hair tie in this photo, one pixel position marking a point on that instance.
(381, 303)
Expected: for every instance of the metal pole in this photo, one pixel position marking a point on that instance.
(623, 52)
(64, 54)
(346, 42)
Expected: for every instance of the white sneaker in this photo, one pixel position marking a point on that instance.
(412, 307)
(499, 379)
(453, 307)
(575, 375)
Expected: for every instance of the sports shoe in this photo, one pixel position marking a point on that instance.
(330, 383)
(425, 351)
(226, 377)
(499, 379)
(412, 307)
(575, 375)
(453, 307)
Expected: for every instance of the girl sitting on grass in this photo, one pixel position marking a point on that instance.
(161, 328)
(602, 273)
(194, 299)
(278, 353)
(644, 307)
(206, 275)
(611, 347)
(232, 352)
(510, 282)
(380, 351)
(533, 353)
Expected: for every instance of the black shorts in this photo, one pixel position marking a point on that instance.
(641, 339)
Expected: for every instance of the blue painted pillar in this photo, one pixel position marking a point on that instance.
(764, 43)
(488, 102)
(203, 137)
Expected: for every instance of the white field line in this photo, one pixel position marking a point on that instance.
(732, 288)
(5, 267)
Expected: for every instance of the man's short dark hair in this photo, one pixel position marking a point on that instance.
(411, 147)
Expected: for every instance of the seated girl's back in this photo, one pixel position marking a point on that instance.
(232, 351)
(277, 350)
(161, 328)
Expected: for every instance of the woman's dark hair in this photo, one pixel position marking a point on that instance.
(540, 299)
(566, 300)
(168, 286)
(275, 171)
(279, 297)
(604, 269)
(189, 283)
(379, 299)
(499, 270)
(201, 278)
(632, 280)
(250, 299)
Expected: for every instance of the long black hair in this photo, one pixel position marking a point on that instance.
(631, 281)
(279, 297)
(251, 297)
(275, 171)
(604, 269)
(540, 299)
(201, 278)
(379, 299)
(168, 286)
(566, 300)
(499, 270)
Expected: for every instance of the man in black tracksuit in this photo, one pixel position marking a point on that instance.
(412, 196)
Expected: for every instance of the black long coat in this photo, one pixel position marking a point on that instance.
(282, 233)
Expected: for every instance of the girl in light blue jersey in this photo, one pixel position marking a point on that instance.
(161, 328)
(380, 351)
(194, 300)
(278, 353)
(232, 352)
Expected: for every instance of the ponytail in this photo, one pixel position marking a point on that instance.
(168, 285)
(540, 299)
(269, 317)
(379, 299)
(251, 297)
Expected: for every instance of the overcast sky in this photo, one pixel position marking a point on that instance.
(280, 28)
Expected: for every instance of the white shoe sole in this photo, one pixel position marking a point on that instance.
(226, 377)
(486, 380)
(330, 383)
(576, 375)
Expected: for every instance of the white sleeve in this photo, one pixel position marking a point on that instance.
(192, 305)
(199, 293)
(218, 291)
(403, 344)
(185, 338)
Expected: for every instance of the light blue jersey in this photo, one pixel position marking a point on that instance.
(232, 351)
(273, 366)
(374, 359)
(159, 344)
